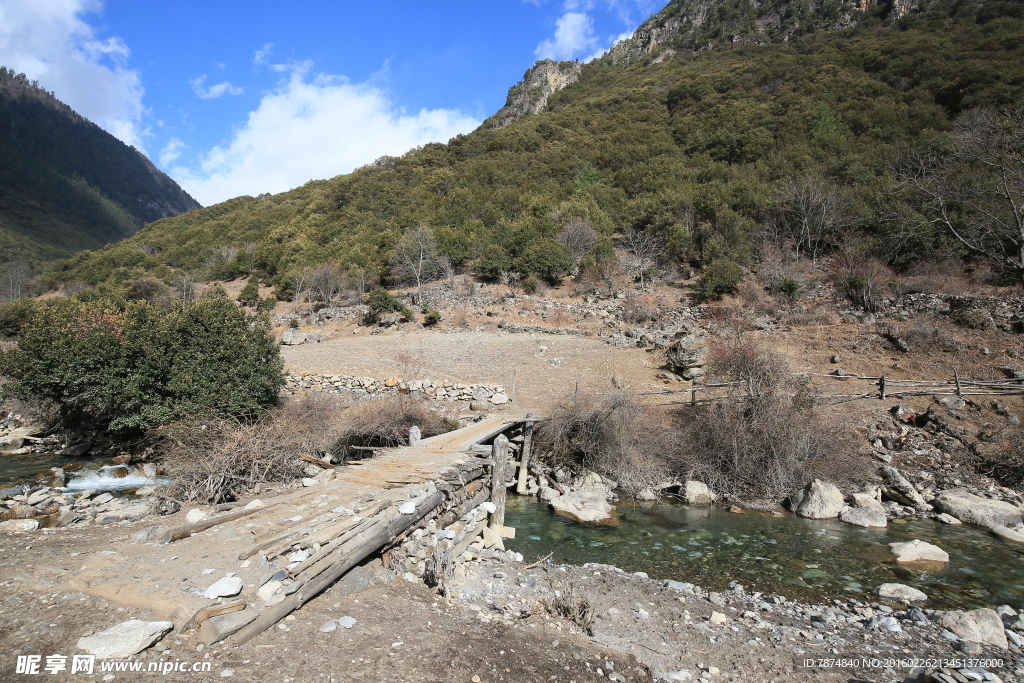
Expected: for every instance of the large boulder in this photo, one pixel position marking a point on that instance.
(685, 353)
(697, 493)
(820, 500)
(1008, 534)
(898, 488)
(292, 337)
(918, 551)
(972, 509)
(583, 506)
(124, 639)
(978, 625)
(865, 511)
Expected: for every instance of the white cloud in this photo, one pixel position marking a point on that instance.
(214, 91)
(574, 35)
(312, 128)
(171, 151)
(50, 42)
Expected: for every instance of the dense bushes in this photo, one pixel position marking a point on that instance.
(145, 364)
(765, 440)
(612, 434)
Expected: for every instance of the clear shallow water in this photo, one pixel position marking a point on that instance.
(799, 558)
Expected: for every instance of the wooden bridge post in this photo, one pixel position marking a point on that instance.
(881, 388)
(524, 462)
(499, 453)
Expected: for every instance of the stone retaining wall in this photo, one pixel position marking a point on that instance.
(367, 387)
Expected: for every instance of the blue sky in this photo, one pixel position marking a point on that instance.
(238, 97)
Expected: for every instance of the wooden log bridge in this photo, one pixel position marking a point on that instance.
(416, 506)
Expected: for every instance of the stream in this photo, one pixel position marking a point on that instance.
(802, 559)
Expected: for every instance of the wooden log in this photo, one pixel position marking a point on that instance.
(212, 611)
(499, 454)
(317, 461)
(881, 388)
(245, 554)
(524, 461)
(179, 532)
(354, 532)
(324, 580)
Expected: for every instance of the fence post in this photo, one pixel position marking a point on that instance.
(956, 376)
(881, 388)
(524, 461)
(499, 453)
(693, 396)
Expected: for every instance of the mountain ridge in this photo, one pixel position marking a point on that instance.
(68, 185)
(700, 150)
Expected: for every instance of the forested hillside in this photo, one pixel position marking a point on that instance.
(708, 137)
(66, 184)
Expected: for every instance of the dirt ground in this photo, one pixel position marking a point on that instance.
(494, 627)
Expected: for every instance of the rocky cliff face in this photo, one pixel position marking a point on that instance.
(695, 26)
(530, 95)
(698, 25)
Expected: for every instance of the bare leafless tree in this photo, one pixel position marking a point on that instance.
(975, 192)
(510, 279)
(360, 279)
(814, 213)
(15, 278)
(325, 283)
(417, 258)
(579, 237)
(642, 253)
(185, 287)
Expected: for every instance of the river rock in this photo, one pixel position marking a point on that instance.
(124, 639)
(917, 550)
(583, 506)
(268, 589)
(355, 581)
(866, 511)
(820, 500)
(1007, 533)
(196, 515)
(547, 493)
(978, 625)
(227, 587)
(948, 519)
(19, 525)
(697, 493)
(973, 509)
(899, 591)
(898, 488)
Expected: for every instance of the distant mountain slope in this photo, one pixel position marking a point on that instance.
(700, 148)
(66, 184)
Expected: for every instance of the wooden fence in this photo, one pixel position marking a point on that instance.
(886, 388)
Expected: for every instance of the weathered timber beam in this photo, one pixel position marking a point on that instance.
(314, 587)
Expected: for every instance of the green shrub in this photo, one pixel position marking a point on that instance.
(250, 294)
(379, 302)
(789, 287)
(720, 277)
(148, 364)
(266, 305)
(530, 285)
(432, 318)
(14, 315)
